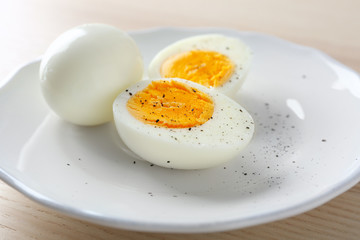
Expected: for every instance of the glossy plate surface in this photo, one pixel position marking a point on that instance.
(304, 153)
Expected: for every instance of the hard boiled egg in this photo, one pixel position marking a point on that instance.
(215, 61)
(84, 70)
(180, 124)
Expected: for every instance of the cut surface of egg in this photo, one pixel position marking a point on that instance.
(214, 61)
(176, 123)
(85, 68)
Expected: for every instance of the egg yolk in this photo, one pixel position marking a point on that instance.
(208, 68)
(171, 104)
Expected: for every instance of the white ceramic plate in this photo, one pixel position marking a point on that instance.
(304, 153)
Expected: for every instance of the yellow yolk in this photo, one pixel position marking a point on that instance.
(171, 104)
(208, 68)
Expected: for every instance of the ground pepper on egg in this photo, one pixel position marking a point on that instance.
(171, 104)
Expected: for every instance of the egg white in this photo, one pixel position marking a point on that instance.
(85, 68)
(236, 50)
(216, 141)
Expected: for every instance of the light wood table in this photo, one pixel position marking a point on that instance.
(28, 26)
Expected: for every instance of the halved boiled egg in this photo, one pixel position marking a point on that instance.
(180, 124)
(215, 61)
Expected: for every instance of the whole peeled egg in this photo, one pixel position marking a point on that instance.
(216, 61)
(180, 124)
(85, 68)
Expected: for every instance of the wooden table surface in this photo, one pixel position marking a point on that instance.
(28, 26)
